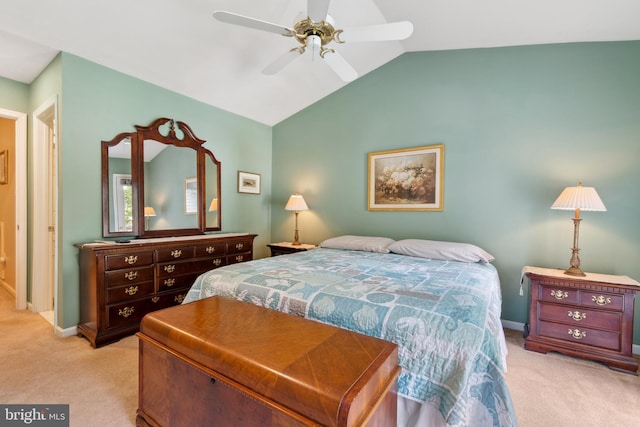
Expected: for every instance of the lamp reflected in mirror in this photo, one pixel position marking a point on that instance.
(148, 213)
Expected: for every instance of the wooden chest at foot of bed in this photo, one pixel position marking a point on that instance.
(222, 362)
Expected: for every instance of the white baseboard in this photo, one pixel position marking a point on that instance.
(508, 324)
(68, 332)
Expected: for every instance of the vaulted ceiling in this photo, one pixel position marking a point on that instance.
(179, 46)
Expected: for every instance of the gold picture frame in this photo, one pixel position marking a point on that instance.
(408, 179)
(4, 167)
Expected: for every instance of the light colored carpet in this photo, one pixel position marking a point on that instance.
(101, 386)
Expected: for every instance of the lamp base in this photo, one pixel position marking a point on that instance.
(574, 271)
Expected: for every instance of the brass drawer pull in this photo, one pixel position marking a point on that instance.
(577, 316)
(131, 275)
(131, 290)
(170, 282)
(577, 333)
(155, 299)
(210, 249)
(169, 268)
(217, 262)
(178, 299)
(177, 253)
(125, 312)
(601, 300)
(239, 246)
(239, 258)
(131, 259)
(558, 294)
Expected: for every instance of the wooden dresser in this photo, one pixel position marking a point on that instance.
(121, 282)
(222, 362)
(589, 317)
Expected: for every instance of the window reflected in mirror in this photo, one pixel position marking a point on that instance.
(122, 202)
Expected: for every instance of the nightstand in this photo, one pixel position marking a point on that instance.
(589, 317)
(284, 248)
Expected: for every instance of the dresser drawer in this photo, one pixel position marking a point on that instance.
(578, 334)
(129, 276)
(234, 259)
(174, 254)
(126, 313)
(575, 316)
(129, 292)
(118, 261)
(239, 246)
(211, 250)
(175, 282)
(170, 269)
(133, 311)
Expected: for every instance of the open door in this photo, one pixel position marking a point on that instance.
(45, 219)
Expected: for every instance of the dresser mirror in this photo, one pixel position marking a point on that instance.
(159, 181)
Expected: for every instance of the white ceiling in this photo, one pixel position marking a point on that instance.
(179, 46)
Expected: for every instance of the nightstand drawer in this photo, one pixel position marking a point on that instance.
(581, 335)
(558, 294)
(579, 316)
(602, 300)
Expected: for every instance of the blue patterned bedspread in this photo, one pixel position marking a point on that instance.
(444, 316)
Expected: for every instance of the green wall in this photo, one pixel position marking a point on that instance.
(95, 104)
(14, 95)
(518, 125)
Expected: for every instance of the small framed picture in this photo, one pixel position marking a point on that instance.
(4, 167)
(248, 182)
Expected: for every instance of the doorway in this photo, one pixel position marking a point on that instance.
(19, 255)
(44, 253)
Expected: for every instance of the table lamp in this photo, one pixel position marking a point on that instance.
(577, 199)
(296, 203)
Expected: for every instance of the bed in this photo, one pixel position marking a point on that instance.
(439, 301)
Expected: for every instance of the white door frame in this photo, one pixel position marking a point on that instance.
(43, 161)
(21, 204)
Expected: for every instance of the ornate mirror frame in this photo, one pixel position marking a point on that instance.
(130, 170)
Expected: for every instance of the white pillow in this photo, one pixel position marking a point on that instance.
(358, 243)
(448, 251)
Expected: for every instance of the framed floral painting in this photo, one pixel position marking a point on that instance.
(409, 179)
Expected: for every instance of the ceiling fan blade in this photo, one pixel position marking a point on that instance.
(257, 24)
(282, 62)
(342, 68)
(317, 10)
(373, 33)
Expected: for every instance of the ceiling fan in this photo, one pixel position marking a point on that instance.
(315, 32)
